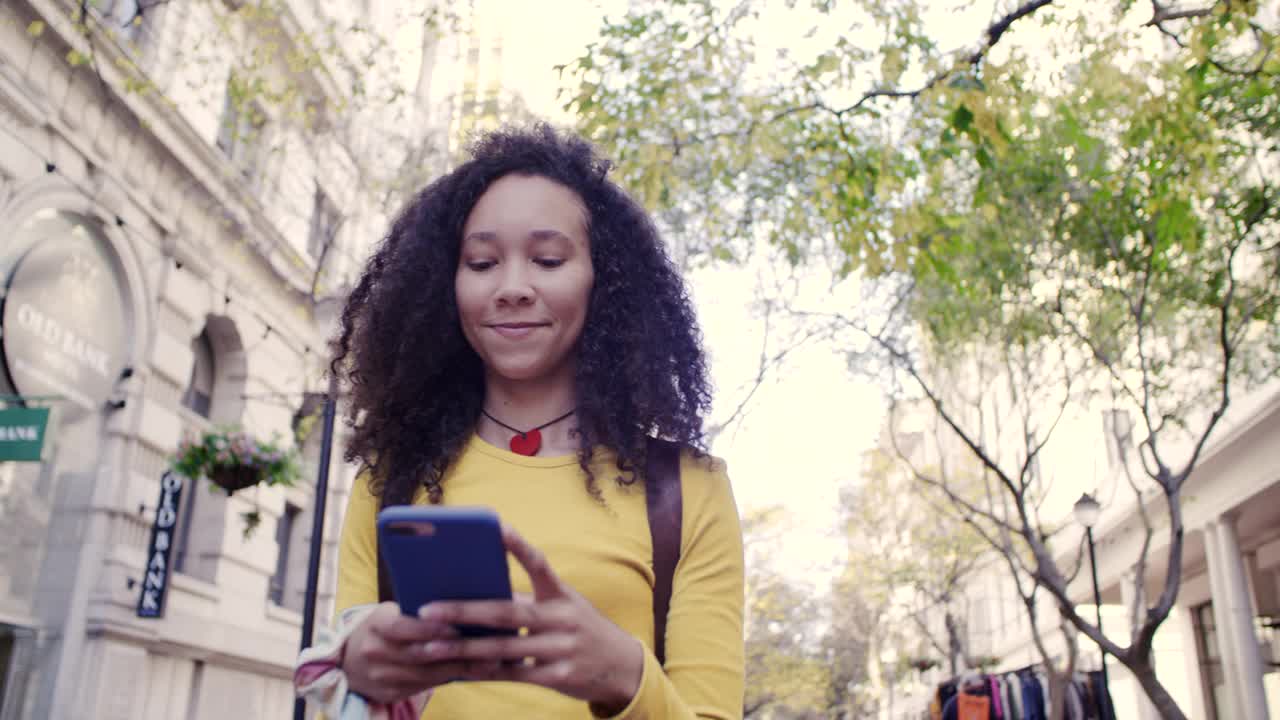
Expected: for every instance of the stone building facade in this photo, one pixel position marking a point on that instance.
(164, 267)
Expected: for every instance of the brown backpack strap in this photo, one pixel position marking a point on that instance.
(385, 591)
(665, 505)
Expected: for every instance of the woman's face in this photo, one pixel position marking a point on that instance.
(524, 277)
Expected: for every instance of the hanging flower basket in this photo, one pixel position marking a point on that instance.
(234, 460)
(235, 478)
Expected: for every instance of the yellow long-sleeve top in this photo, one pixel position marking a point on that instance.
(604, 551)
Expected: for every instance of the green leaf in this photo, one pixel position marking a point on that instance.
(827, 62)
(722, 253)
(36, 28)
(966, 82)
(962, 118)
(76, 58)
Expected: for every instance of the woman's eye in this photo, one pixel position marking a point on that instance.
(480, 265)
(549, 262)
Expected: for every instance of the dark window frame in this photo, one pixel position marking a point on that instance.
(284, 540)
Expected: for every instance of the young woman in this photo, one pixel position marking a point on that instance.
(514, 343)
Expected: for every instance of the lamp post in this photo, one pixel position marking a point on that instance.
(1086, 511)
(317, 529)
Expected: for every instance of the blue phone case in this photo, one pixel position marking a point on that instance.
(444, 553)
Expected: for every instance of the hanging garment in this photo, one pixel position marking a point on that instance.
(1032, 697)
(1092, 699)
(973, 707)
(1108, 710)
(1075, 702)
(1015, 697)
(974, 704)
(994, 687)
(1006, 699)
(946, 691)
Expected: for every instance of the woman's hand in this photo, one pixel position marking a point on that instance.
(569, 646)
(384, 658)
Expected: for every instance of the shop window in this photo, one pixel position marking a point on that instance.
(199, 393)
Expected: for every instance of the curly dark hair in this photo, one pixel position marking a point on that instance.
(416, 385)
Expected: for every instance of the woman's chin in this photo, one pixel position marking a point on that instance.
(520, 372)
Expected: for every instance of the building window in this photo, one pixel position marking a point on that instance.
(240, 129)
(199, 394)
(284, 534)
(6, 659)
(16, 662)
(1211, 676)
(325, 220)
(198, 398)
(124, 17)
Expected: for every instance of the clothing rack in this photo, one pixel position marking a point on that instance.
(1025, 668)
(1020, 694)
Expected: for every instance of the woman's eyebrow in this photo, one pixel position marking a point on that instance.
(488, 236)
(481, 236)
(548, 235)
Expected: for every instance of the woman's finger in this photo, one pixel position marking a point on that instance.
(504, 614)
(554, 675)
(543, 647)
(403, 630)
(409, 678)
(546, 584)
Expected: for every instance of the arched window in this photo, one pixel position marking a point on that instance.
(199, 392)
(198, 398)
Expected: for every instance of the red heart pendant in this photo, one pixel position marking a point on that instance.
(527, 444)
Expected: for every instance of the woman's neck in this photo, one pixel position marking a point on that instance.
(526, 405)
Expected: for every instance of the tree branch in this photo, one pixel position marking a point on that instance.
(1161, 13)
(939, 484)
(992, 35)
(766, 364)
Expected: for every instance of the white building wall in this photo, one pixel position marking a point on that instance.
(69, 572)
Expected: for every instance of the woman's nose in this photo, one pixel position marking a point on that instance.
(515, 288)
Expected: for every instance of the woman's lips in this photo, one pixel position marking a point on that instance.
(516, 331)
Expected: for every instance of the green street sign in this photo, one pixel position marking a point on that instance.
(22, 433)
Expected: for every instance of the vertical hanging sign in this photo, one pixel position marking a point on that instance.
(155, 581)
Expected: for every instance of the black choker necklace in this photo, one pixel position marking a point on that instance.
(526, 442)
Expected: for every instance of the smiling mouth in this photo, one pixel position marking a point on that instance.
(515, 331)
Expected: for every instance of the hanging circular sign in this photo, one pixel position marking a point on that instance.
(66, 314)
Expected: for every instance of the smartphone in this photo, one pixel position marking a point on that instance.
(444, 553)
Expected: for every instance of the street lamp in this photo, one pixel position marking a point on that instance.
(1086, 511)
